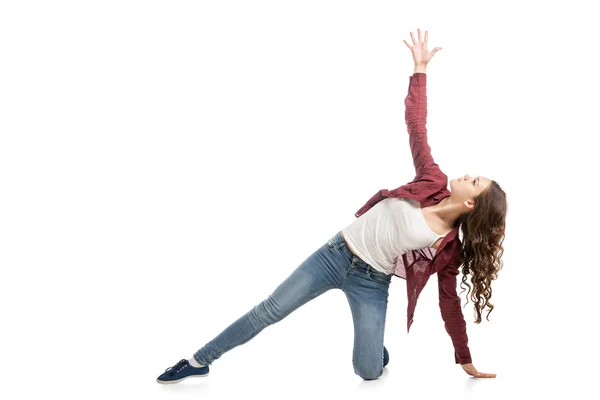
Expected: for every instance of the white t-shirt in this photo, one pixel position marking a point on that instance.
(389, 229)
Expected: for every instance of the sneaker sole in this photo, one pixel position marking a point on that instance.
(182, 379)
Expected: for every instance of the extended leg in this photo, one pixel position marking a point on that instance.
(312, 278)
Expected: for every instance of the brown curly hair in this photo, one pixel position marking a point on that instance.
(481, 247)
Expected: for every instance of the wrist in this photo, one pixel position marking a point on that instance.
(420, 68)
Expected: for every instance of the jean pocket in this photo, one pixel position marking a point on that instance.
(378, 277)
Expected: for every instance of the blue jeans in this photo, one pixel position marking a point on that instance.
(332, 266)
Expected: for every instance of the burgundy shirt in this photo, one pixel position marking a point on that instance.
(428, 187)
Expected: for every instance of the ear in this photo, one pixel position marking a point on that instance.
(470, 204)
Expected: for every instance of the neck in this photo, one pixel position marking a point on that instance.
(449, 209)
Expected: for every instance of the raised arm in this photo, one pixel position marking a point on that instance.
(416, 105)
(416, 119)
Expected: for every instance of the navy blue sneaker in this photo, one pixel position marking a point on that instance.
(386, 356)
(181, 371)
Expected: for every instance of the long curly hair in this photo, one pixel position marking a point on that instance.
(481, 247)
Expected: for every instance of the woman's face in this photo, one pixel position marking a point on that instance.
(468, 187)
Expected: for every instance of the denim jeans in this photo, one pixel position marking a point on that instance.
(332, 266)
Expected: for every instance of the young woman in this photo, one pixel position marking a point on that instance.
(410, 232)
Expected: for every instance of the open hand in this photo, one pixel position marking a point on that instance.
(421, 55)
(470, 369)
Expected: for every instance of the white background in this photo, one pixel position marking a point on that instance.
(164, 166)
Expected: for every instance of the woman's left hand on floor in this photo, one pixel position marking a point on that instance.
(470, 369)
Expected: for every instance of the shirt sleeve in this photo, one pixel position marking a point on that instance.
(416, 120)
(452, 313)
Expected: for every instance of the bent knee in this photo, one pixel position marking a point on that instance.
(369, 375)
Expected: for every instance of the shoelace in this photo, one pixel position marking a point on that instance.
(175, 368)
